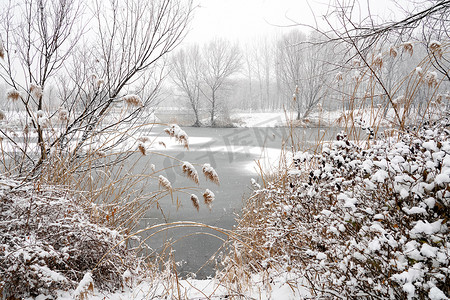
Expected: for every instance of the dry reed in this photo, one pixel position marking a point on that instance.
(36, 90)
(195, 202)
(141, 148)
(133, 100)
(13, 95)
(210, 173)
(165, 183)
(190, 172)
(208, 197)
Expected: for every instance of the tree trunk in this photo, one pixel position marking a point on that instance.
(213, 108)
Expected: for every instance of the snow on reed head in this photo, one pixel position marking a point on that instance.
(43, 121)
(63, 114)
(419, 71)
(13, 95)
(40, 114)
(378, 61)
(431, 79)
(210, 173)
(393, 52)
(165, 183)
(408, 47)
(190, 171)
(141, 148)
(195, 202)
(36, 90)
(175, 131)
(144, 139)
(209, 197)
(436, 48)
(2, 115)
(133, 100)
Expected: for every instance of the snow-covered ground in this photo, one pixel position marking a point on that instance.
(259, 119)
(274, 286)
(283, 118)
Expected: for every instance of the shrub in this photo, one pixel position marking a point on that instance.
(359, 221)
(50, 241)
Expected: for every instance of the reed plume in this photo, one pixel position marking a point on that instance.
(210, 173)
(195, 201)
(190, 171)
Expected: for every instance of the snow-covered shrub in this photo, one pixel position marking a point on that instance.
(49, 241)
(359, 222)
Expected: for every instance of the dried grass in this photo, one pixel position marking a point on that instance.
(436, 49)
(55, 241)
(190, 172)
(36, 91)
(133, 100)
(209, 197)
(141, 148)
(210, 174)
(179, 134)
(13, 95)
(393, 52)
(408, 48)
(63, 114)
(165, 183)
(195, 202)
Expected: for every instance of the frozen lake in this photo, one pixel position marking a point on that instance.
(232, 152)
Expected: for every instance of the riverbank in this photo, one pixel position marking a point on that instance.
(360, 117)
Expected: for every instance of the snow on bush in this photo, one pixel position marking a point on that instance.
(360, 222)
(49, 241)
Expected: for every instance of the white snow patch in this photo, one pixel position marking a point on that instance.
(380, 176)
(436, 294)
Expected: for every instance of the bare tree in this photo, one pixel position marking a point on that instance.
(259, 63)
(316, 77)
(428, 24)
(290, 59)
(302, 68)
(186, 74)
(222, 60)
(42, 39)
(37, 38)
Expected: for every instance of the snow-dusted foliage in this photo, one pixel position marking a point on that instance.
(49, 241)
(360, 222)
